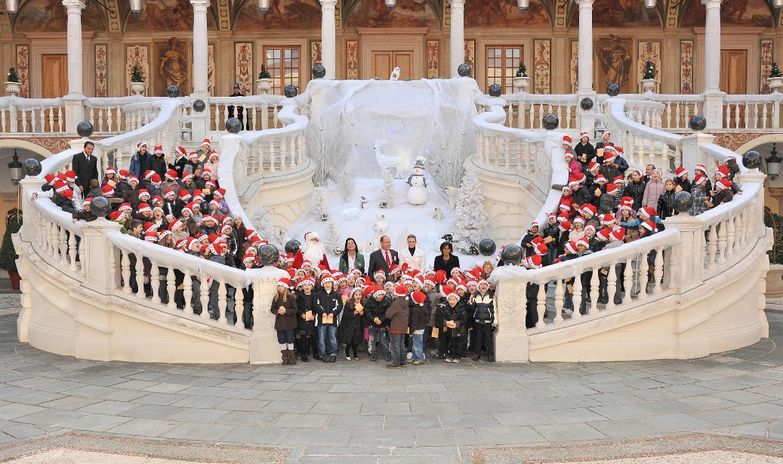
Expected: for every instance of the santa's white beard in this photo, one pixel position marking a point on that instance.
(313, 251)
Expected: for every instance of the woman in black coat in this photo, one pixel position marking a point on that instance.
(446, 261)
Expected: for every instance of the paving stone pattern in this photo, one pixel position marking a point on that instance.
(362, 412)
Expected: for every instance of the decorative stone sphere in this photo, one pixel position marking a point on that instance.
(487, 247)
(172, 91)
(697, 123)
(84, 129)
(233, 125)
(752, 159)
(292, 246)
(613, 89)
(100, 207)
(268, 254)
(550, 121)
(511, 254)
(586, 103)
(465, 70)
(32, 167)
(683, 201)
(319, 71)
(291, 91)
(199, 106)
(495, 90)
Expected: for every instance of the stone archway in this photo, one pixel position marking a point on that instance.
(758, 141)
(25, 145)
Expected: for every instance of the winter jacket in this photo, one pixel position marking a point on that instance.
(724, 196)
(666, 204)
(635, 190)
(622, 164)
(527, 243)
(457, 314)
(610, 172)
(483, 307)
(286, 321)
(351, 325)
(305, 303)
(652, 192)
(684, 184)
(397, 314)
(419, 315)
(138, 164)
(574, 168)
(374, 308)
(158, 164)
(327, 303)
(583, 195)
(608, 203)
(586, 149)
(358, 263)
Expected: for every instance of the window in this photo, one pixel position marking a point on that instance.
(502, 63)
(283, 65)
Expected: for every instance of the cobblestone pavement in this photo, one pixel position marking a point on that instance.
(362, 412)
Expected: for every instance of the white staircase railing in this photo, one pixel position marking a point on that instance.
(260, 112)
(32, 116)
(526, 110)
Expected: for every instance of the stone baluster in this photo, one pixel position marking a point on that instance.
(577, 297)
(541, 304)
(222, 302)
(730, 237)
(611, 284)
(594, 282)
(713, 246)
(125, 265)
(644, 268)
(658, 270)
(558, 301)
(721, 241)
(140, 276)
(171, 288)
(155, 283)
(204, 296)
(187, 291)
(72, 251)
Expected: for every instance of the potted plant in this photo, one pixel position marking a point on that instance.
(137, 84)
(12, 84)
(264, 81)
(775, 79)
(521, 81)
(7, 253)
(648, 78)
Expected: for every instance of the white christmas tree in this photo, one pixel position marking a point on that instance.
(471, 225)
(332, 238)
(387, 194)
(319, 203)
(262, 220)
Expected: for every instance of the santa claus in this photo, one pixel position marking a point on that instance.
(313, 251)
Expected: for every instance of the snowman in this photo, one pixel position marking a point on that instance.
(417, 193)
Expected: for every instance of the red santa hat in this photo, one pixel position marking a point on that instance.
(181, 151)
(650, 226)
(722, 184)
(617, 234)
(535, 262)
(681, 172)
(284, 282)
(143, 207)
(107, 190)
(400, 291)
(567, 140)
(158, 149)
(171, 174)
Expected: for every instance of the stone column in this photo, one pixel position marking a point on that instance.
(692, 153)
(264, 348)
(713, 97)
(73, 100)
(457, 37)
(200, 48)
(585, 75)
(328, 39)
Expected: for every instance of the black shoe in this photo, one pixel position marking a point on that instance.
(477, 358)
(373, 358)
(305, 358)
(332, 359)
(392, 366)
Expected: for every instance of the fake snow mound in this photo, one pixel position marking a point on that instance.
(402, 219)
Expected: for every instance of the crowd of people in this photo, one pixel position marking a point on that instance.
(394, 302)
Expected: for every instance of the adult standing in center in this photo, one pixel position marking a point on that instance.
(413, 256)
(446, 261)
(383, 258)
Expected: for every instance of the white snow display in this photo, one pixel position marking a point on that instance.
(319, 203)
(471, 225)
(430, 118)
(386, 162)
(351, 214)
(417, 191)
(332, 243)
(388, 193)
(262, 221)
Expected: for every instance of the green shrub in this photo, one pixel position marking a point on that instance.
(7, 253)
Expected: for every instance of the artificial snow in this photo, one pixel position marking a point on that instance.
(401, 219)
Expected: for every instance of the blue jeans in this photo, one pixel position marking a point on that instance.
(327, 340)
(417, 342)
(378, 336)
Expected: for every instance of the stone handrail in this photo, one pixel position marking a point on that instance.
(26, 115)
(526, 110)
(162, 130)
(260, 112)
(532, 155)
(119, 114)
(752, 112)
(642, 144)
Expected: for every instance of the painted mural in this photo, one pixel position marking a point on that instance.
(504, 13)
(50, 16)
(613, 56)
(407, 13)
(735, 12)
(614, 13)
(164, 15)
(283, 14)
(172, 66)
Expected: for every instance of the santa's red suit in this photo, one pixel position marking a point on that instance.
(313, 248)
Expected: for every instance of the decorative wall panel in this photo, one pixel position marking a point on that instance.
(470, 55)
(211, 69)
(574, 65)
(542, 62)
(137, 54)
(351, 59)
(686, 67)
(766, 65)
(649, 50)
(315, 53)
(433, 59)
(243, 66)
(23, 69)
(101, 71)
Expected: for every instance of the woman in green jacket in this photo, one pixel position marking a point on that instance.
(350, 257)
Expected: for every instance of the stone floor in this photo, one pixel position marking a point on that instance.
(362, 412)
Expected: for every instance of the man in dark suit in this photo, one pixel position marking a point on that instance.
(85, 165)
(383, 258)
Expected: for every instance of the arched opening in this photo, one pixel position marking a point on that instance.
(773, 191)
